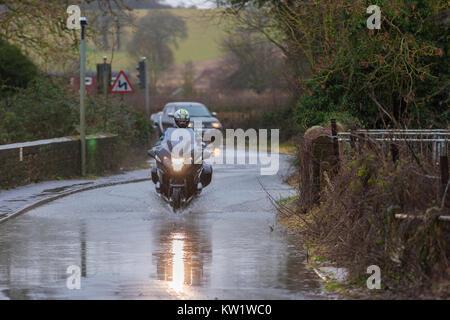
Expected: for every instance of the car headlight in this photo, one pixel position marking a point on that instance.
(177, 164)
(216, 125)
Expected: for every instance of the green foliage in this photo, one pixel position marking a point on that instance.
(333, 286)
(286, 201)
(45, 110)
(42, 110)
(322, 105)
(40, 28)
(16, 70)
(397, 76)
(204, 33)
(132, 127)
(281, 119)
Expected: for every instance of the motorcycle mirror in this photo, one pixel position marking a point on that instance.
(214, 114)
(151, 153)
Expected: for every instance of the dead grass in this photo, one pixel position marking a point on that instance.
(353, 225)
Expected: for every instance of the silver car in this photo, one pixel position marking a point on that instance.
(197, 111)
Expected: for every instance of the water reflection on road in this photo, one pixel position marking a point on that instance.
(181, 255)
(129, 244)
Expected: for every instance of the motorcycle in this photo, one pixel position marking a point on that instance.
(178, 177)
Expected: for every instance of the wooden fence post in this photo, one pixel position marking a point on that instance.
(352, 138)
(394, 150)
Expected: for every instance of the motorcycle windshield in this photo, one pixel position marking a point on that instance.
(181, 142)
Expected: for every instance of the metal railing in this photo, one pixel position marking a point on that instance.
(433, 140)
(430, 143)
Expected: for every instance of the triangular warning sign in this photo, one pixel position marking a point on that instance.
(121, 84)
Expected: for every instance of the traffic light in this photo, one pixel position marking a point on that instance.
(141, 75)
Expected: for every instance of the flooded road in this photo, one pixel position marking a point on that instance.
(130, 245)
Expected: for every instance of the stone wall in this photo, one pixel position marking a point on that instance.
(24, 163)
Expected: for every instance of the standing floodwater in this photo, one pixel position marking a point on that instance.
(129, 244)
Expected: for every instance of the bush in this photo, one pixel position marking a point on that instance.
(43, 110)
(118, 117)
(324, 103)
(281, 119)
(363, 76)
(16, 70)
(354, 225)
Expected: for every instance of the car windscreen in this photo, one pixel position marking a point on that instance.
(196, 110)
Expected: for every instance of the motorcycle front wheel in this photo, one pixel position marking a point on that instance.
(176, 198)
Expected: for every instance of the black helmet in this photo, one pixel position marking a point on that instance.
(182, 118)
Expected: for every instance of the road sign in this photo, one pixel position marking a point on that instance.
(121, 84)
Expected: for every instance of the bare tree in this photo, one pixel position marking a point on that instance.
(39, 27)
(155, 33)
(259, 63)
(189, 78)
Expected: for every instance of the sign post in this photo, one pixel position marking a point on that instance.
(147, 89)
(83, 23)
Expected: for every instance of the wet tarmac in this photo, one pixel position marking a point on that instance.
(129, 244)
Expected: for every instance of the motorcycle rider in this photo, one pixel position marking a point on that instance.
(182, 120)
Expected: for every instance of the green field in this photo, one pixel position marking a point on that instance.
(205, 30)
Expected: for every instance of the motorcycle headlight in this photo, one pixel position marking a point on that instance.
(216, 152)
(216, 125)
(177, 164)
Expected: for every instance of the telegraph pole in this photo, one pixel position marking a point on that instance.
(83, 23)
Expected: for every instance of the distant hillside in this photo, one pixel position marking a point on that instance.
(133, 4)
(145, 4)
(205, 31)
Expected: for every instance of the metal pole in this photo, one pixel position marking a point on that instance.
(83, 22)
(105, 88)
(147, 89)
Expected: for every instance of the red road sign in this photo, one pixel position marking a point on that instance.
(121, 84)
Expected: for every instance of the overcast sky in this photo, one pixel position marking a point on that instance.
(203, 4)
